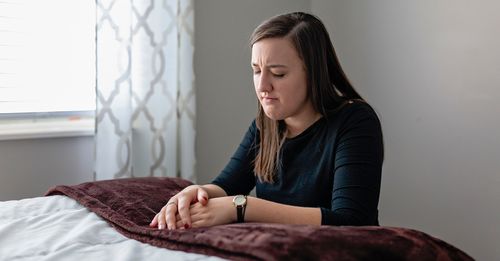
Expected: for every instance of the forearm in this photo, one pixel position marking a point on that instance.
(221, 210)
(214, 191)
(260, 210)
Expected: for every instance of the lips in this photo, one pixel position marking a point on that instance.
(268, 100)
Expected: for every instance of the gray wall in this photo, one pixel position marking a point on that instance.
(29, 167)
(432, 71)
(226, 102)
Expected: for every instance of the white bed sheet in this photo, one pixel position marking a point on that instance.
(59, 228)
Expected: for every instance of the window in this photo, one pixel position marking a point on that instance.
(47, 56)
(47, 68)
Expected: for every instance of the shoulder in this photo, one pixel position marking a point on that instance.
(253, 127)
(354, 117)
(353, 108)
(252, 131)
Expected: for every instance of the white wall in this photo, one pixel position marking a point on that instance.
(225, 96)
(432, 71)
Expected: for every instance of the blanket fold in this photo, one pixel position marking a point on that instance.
(129, 205)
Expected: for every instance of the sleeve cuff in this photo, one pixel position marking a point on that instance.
(327, 217)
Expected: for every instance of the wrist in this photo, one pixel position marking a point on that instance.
(213, 191)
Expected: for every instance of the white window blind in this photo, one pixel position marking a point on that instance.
(47, 56)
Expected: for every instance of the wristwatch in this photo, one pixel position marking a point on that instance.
(240, 202)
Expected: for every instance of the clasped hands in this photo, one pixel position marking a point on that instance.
(191, 208)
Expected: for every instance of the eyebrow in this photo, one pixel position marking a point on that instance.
(271, 65)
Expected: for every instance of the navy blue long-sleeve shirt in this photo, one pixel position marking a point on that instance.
(335, 165)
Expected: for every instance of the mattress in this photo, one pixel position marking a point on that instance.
(59, 228)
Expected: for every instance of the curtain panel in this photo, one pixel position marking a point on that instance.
(145, 118)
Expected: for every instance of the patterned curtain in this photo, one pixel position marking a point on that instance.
(145, 89)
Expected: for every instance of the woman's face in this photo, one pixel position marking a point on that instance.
(280, 79)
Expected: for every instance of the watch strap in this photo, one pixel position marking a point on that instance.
(240, 214)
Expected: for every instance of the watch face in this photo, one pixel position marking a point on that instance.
(239, 200)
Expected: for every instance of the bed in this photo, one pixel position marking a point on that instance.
(108, 220)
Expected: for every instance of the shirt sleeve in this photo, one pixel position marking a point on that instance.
(238, 176)
(357, 173)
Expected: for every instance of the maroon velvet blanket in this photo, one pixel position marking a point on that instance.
(130, 204)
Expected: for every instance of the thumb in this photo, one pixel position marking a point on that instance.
(154, 222)
(202, 196)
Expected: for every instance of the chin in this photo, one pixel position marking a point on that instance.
(274, 116)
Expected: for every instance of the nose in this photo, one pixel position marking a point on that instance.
(263, 83)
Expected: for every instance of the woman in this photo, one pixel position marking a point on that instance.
(314, 151)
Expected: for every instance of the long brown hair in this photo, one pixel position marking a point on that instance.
(327, 85)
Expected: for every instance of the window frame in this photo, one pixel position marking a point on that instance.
(18, 126)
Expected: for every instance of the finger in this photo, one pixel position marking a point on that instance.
(180, 225)
(161, 218)
(197, 224)
(179, 222)
(184, 204)
(171, 210)
(154, 222)
(202, 196)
